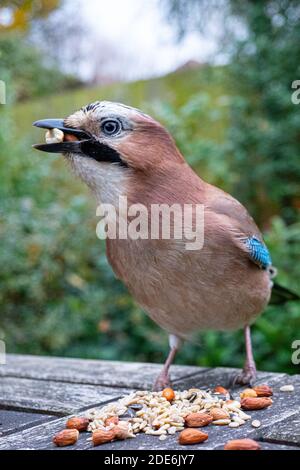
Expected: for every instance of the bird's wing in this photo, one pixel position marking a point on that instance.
(258, 252)
(241, 227)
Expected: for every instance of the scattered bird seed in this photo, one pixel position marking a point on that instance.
(256, 423)
(234, 424)
(136, 407)
(192, 397)
(129, 414)
(222, 422)
(238, 420)
(287, 388)
(152, 413)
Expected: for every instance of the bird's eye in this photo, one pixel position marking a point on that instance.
(111, 127)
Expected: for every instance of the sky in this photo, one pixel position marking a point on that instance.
(130, 39)
(137, 37)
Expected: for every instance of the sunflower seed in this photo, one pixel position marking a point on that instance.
(221, 422)
(287, 388)
(256, 423)
(234, 424)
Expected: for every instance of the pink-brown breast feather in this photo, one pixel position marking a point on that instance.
(216, 287)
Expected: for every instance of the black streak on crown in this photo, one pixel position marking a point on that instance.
(91, 106)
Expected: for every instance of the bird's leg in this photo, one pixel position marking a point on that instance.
(163, 380)
(248, 374)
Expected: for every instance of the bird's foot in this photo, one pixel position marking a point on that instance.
(162, 381)
(246, 377)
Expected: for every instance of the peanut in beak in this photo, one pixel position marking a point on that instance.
(56, 136)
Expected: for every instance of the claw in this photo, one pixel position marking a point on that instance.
(246, 377)
(162, 381)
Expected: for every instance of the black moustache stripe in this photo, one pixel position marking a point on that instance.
(101, 152)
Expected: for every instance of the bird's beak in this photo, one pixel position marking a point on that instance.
(73, 140)
(77, 141)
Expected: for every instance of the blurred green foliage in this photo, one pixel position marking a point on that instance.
(25, 70)
(264, 135)
(262, 144)
(58, 294)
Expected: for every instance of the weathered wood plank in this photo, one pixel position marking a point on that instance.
(143, 442)
(223, 376)
(63, 386)
(287, 431)
(52, 397)
(270, 446)
(40, 437)
(287, 404)
(112, 373)
(285, 407)
(90, 372)
(12, 421)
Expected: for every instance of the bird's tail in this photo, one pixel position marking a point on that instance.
(280, 295)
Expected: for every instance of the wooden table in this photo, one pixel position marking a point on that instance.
(37, 393)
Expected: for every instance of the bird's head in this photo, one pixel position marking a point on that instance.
(106, 142)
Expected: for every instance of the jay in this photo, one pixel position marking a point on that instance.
(120, 151)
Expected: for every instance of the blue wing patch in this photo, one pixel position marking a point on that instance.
(258, 252)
